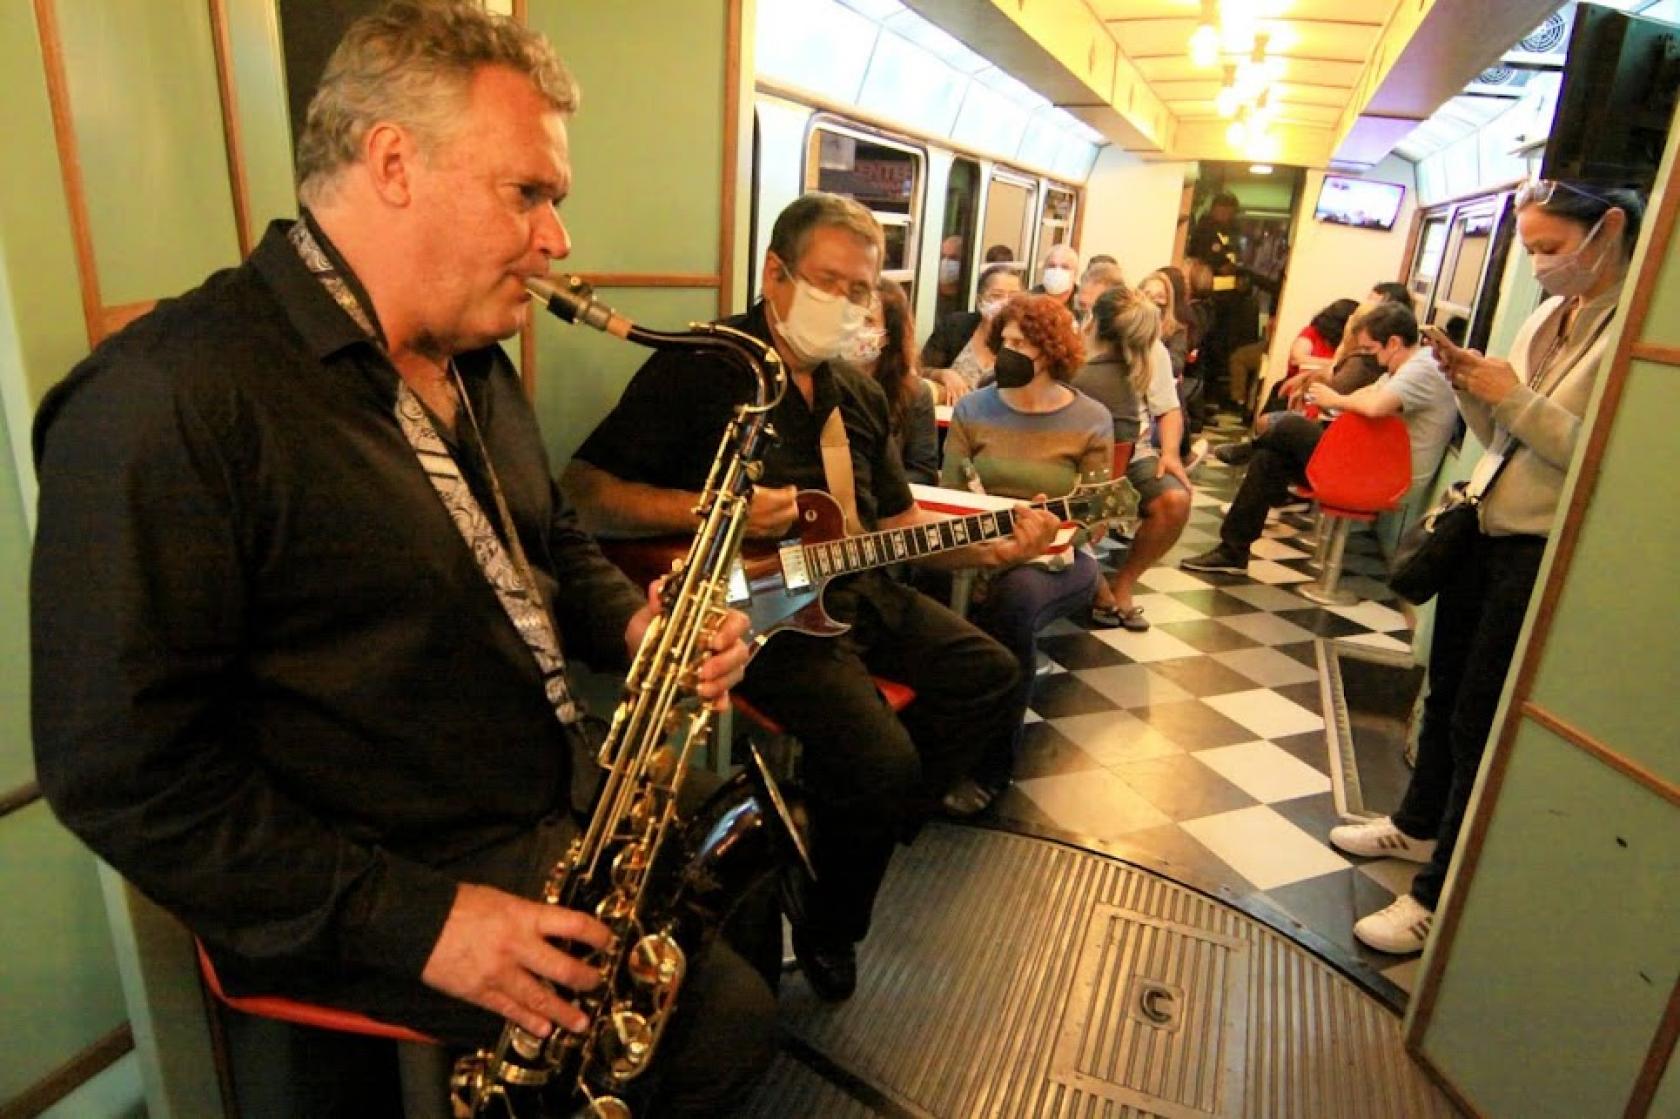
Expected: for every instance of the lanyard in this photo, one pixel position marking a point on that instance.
(511, 577)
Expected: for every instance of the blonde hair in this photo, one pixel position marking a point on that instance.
(411, 63)
(1129, 325)
(1169, 317)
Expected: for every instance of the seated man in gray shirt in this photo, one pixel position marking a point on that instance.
(1411, 385)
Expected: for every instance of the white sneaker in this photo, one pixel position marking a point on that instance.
(1400, 929)
(1380, 839)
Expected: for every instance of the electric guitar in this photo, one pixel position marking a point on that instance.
(780, 586)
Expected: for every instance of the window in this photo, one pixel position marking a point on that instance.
(884, 176)
(1007, 227)
(1432, 245)
(956, 238)
(1055, 227)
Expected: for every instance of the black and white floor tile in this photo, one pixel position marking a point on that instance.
(1198, 748)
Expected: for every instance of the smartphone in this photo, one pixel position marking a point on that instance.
(1437, 337)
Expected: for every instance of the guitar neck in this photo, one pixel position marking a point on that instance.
(896, 545)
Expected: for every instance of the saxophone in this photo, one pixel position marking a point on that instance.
(660, 882)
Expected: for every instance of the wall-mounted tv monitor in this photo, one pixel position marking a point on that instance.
(1364, 203)
(1619, 82)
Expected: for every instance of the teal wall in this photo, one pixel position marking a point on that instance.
(1566, 951)
(647, 166)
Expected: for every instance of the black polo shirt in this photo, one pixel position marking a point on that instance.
(272, 686)
(664, 431)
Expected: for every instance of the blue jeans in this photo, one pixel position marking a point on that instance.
(1019, 603)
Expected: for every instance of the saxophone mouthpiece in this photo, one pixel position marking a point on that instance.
(572, 300)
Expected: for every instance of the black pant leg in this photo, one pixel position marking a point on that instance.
(1511, 565)
(1280, 458)
(859, 767)
(720, 1041)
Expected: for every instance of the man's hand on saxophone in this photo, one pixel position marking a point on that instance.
(719, 672)
(496, 948)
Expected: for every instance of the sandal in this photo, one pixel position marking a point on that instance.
(1112, 617)
(969, 798)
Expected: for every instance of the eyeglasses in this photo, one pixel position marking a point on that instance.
(1538, 192)
(859, 294)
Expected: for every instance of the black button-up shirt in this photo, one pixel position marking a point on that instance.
(272, 686)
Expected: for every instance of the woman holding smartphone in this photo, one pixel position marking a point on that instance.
(1526, 410)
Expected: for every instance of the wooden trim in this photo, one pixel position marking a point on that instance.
(1409, 257)
(1619, 762)
(651, 279)
(1568, 536)
(519, 13)
(1657, 1059)
(1654, 351)
(69, 1076)
(1444, 1082)
(237, 181)
(731, 157)
(21, 797)
(113, 319)
(70, 165)
(1475, 195)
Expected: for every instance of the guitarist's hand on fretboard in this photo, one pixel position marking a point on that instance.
(1032, 533)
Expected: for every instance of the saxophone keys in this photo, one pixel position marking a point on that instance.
(629, 1044)
(657, 960)
(607, 1107)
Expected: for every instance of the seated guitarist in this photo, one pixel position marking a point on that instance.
(640, 473)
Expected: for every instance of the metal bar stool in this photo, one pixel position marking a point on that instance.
(1360, 468)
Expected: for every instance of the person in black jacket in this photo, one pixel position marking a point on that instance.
(958, 355)
(304, 594)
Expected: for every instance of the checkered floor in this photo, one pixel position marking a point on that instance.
(1198, 748)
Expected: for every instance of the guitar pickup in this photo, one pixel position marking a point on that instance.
(738, 591)
(795, 576)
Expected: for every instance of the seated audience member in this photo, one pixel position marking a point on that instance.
(885, 350)
(1058, 277)
(869, 775)
(1352, 368)
(1157, 287)
(1411, 386)
(295, 677)
(1312, 350)
(958, 354)
(1027, 435)
(1130, 373)
(1391, 291)
(1100, 275)
(999, 254)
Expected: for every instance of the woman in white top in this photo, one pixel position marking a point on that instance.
(1527, 411)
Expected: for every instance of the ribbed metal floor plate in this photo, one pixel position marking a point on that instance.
(1010, 976)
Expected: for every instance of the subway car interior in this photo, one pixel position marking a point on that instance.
(1224, 676)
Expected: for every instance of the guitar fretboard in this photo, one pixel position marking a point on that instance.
(895, 545)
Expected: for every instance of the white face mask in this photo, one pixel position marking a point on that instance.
(863, 347)
(1566, 274)
(1058, 281)
(818, 323)
(990, 307)
(950, 271)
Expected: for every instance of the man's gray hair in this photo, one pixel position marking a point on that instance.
(793, 227)
(411, 64)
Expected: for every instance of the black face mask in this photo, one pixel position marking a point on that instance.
(1013, 369)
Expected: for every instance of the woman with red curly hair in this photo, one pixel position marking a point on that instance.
(1026, 435)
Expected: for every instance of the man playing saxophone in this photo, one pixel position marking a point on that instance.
(304, 592)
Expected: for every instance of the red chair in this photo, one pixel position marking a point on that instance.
(1360, 469)
(302, 1013)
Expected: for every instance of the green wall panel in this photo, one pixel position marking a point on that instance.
(581, 372)
(36, 250)
(1542, 980)
(265, 133)
(16, 763)
(1662, 322)
(647, 155)
(59, 983)
(1611, 653)
(1667, 1101)
(149, 136)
